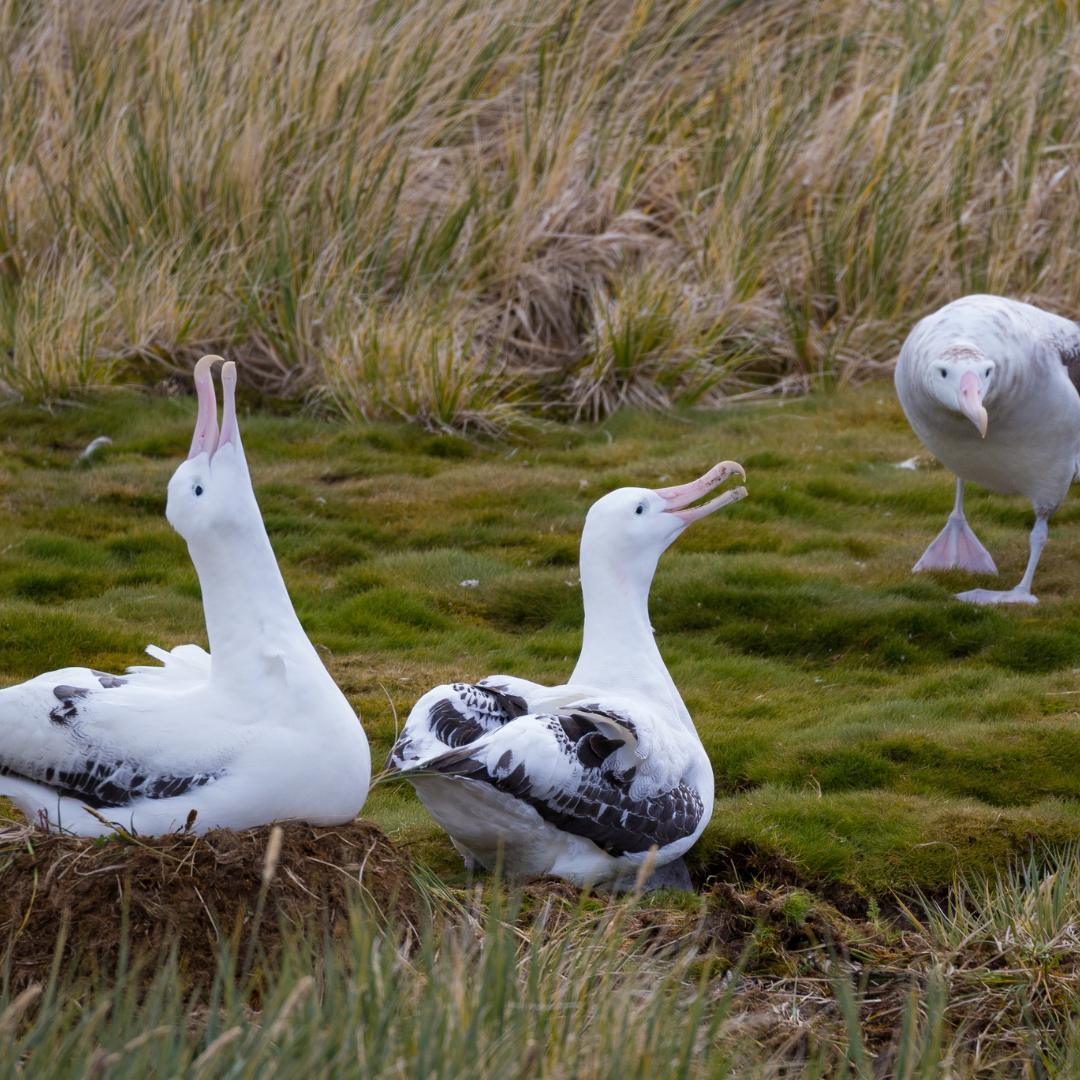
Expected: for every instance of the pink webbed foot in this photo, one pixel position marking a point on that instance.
(990, 596)
(957, 547)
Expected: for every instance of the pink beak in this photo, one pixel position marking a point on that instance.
(230, 433)
(205, 439)
(678, 498)
(970, 401)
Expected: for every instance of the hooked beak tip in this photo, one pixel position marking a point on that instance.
(205, 439)
(969, 401)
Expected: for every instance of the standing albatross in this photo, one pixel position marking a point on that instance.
(253, 732)
(990, 387)
(579, 780)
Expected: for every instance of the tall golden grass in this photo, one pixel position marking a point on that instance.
(455, 212)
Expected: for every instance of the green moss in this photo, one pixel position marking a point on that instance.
(876, 840)
(864, 727)
(797, 905)
(395, 615)
(33, 640)
(51, 587)
(149, 503)
(766, 459)
(448, 447)
(529, 601)
(1038, 650)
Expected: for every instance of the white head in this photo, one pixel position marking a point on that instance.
(629, 529)
(959, 377)
(210, 495)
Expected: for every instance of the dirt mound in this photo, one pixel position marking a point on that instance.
(75, 894)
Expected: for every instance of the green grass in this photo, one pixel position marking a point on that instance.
(866, 729)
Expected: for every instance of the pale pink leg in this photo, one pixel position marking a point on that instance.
(1022, 593)
(956, 546)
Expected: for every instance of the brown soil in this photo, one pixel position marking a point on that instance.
(73, 895)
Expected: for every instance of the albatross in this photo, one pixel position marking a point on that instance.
(580, 780)
(989, 385)
(254, 731)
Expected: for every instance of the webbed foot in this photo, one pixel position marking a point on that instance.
(991, 596)
(957, 547)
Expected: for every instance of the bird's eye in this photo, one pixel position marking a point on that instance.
(198, 489)
(943, 372)
(987, 373)
(640, 509)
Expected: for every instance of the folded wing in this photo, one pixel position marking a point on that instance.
(110, 740)
(584, 770)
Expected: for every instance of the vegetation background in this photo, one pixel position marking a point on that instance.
(522, 225)
(461, 213)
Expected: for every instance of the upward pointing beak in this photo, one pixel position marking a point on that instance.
(970, 400)
(677, 498)
(230, 433)
(205, 439)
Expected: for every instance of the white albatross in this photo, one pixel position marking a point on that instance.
(579, 780)
(253, 732)
(990, 387)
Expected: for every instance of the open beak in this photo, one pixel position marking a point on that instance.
(230, 432)
(970, 401)
(205, 439)
(679, 499)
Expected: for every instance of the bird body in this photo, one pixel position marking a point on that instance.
(989, 385)
(582, 779)
(252, 732)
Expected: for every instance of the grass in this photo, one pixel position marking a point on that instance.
(867, 732)
(467, 214)
(542, 984)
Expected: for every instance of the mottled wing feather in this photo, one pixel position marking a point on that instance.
(454, 716)
(67, 754)
(593, 797)
(109, 784)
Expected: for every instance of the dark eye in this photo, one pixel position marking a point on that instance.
(988, 373)
(198, 489)
(640, 509)
(943, 372)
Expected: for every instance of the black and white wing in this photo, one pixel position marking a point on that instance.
(457, 714)
(452, 716)
(585, 771)
(107, 740)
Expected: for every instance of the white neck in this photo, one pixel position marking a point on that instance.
(618, 650)
(250, 619)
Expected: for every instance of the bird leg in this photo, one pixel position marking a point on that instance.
(956, 545)
(1022, 593)
(672, 875)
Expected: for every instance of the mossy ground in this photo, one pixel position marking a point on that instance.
(866, 729)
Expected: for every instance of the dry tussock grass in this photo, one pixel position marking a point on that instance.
(457, 212)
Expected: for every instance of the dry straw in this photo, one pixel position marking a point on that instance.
(459, 212)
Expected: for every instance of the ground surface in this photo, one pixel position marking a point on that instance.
(866, 729)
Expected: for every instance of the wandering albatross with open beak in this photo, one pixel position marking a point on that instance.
(253, 732)
(579, 780)
(990, 387)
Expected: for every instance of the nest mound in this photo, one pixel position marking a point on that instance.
(82, 896)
